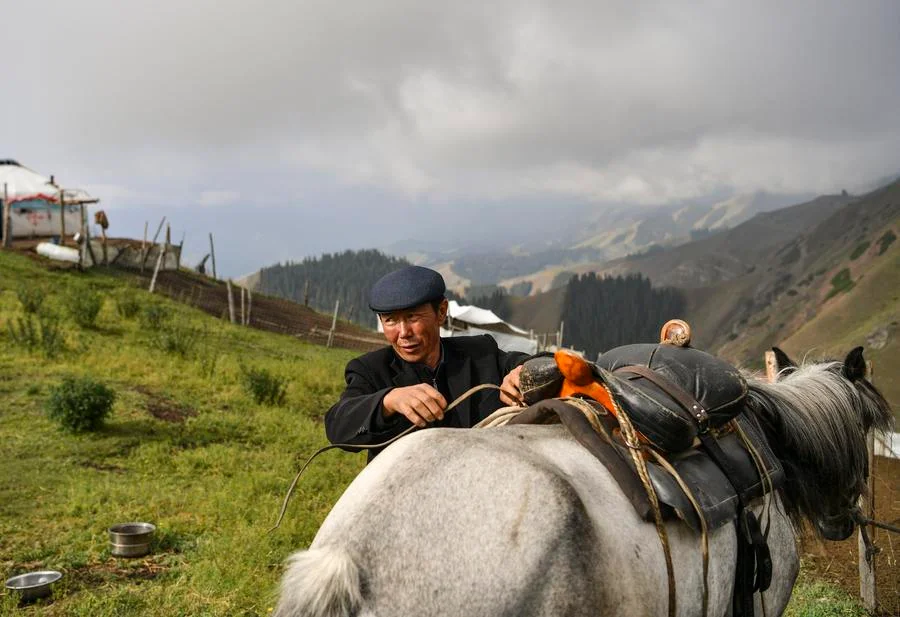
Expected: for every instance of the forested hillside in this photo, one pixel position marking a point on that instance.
(603, 312)
(321, 281)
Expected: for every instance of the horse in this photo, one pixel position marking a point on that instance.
(523, 521)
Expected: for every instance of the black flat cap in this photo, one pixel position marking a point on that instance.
(406, 288)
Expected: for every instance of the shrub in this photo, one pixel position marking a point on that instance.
(175, 338)
(84, 306)
(840, 282)
(128, 306)
(154, 316)
(80, 404)
(265, 387)
(208, 362)
(861, 248)
(885, 241)
(43, 334)
(31, 297)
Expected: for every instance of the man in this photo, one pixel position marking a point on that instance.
(420, 374)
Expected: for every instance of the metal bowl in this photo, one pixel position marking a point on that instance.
(131, 539)
(33, 585)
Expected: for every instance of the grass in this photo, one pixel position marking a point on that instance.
(212, 482)
(840, 283)
(211, 474)
(818, 599)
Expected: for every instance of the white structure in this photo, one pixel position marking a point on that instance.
(36, 203)
(889, 446)
(468, 320)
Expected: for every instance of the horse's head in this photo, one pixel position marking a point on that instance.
(820, 414)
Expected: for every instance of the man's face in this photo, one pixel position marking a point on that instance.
(415, 333)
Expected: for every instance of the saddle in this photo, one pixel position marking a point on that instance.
(686, 406)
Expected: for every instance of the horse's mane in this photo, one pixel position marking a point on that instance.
(816, 420)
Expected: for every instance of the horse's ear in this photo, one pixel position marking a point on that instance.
(784, 361)
(854, 365)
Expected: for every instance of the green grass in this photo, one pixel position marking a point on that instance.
(840, 283)
(861, 248)
(817, 599)
(212, 483)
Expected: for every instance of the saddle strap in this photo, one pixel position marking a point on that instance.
(691, 405)
(753, 552)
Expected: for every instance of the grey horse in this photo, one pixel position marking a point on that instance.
(522, 521)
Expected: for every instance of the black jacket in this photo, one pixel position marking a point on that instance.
(468, 361)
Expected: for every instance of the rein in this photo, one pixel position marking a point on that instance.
(287, 497)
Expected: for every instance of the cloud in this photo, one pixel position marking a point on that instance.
(437, 102)
(218, 198)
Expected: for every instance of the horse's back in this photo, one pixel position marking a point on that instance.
(519, 520)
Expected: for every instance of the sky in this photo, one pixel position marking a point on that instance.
(288, 128)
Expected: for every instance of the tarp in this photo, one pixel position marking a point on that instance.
(23, 184)
(506, 342)
(476, 316)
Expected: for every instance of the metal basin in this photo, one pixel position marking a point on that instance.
(33, 585)
(131, 539)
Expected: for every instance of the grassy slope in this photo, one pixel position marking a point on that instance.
(213, 484)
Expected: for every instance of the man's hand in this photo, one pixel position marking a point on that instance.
(420, 404)
(510, 395)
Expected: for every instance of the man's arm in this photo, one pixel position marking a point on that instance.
(367, 415)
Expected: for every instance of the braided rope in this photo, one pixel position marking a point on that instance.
(630, 435)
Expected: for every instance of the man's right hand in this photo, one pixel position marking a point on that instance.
(420, 404)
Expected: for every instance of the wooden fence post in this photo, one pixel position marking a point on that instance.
(7, 218)
(771, 366)
(144, 245)
(306, 293)
(156, 270)
(337, 304)
(150, 246)
(867, 590)
(230, 300)
(212, 253)
(62, 218)
(249, 305)
(243, 304)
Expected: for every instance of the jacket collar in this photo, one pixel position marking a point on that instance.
(458, 371)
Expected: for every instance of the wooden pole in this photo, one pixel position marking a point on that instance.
(771, 366)
(230, 301)
(180, 250)
(243, 307)
(212, 254)
(7, 218)
(62, 218)
(155, 236)
(867, 590)
(156, 271)
(103, 245)
(306, 293)
(249, 305)
(144, 246)
(337, 304)
(82, 253)
(90, 247)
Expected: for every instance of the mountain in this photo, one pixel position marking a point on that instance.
(817, 278)
(537, 247)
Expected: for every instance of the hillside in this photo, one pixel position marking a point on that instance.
(187, 447)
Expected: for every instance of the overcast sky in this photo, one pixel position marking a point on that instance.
(288, 128)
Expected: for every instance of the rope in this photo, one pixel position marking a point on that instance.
(287, 497)
(629, 433)
(704, 528)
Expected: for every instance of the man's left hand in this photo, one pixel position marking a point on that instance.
(510, 394)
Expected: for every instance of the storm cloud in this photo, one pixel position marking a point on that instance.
(222, 102)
